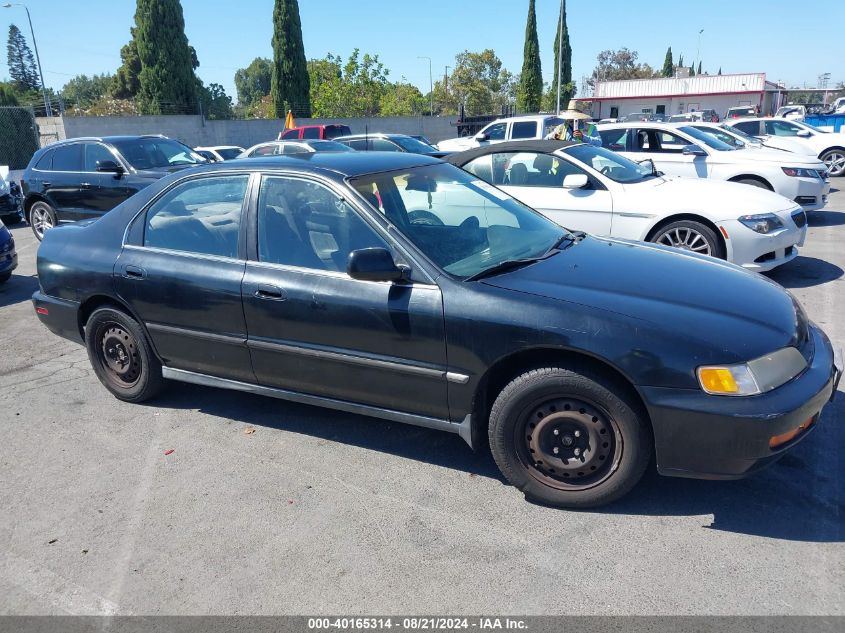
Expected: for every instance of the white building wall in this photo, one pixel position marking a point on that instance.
(675, 105)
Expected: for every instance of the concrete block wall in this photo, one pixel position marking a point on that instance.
(194, 131)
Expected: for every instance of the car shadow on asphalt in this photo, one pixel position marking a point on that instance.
(795, 499)
(804, 272)
(825, 218)
(19, 288)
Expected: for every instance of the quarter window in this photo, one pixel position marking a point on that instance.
(45, 163)
(199, 216)
(302, 223)
(68, 158)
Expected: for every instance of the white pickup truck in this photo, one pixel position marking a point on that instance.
(500, 130)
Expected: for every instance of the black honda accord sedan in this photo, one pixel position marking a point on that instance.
(398, 286)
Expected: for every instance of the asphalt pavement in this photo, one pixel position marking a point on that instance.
(266, 507)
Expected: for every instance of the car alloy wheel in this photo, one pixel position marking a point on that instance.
(686, 238)
(41, 218)
(569, 444)
(835, 161)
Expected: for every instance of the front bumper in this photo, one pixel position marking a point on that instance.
(759, 252)
(718, 437)
(810, 193)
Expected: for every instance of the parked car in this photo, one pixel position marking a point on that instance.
(321, 132)
(11, 201)
(828, 146)
(791, 112)
(219, 153)
(611, 120)
(536, 126)
(424, 139)
(598, 191)
(708, 115)
(302, 290)
(838, 106)
(687, 117)
(275, 148)
(686, 151)
(87, 177)
(735, 137)
(8, 255)
(739, 112)
(389, 143)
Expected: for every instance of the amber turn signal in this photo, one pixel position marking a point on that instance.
(779, 440)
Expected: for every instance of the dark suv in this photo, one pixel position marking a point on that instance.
(86, 177)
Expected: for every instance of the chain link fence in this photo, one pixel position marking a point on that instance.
(18, 136)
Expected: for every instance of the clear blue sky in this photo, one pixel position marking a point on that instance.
(788, 41)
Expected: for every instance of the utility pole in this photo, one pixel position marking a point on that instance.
(446, 80)
(698, 50)
(430, 84)
(47, 109)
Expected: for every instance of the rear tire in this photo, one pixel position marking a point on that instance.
(569, 437)
(689, 235)
(121, 356)
(42, 218)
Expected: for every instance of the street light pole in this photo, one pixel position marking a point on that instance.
(9, 5)
(430, 85)
(698, 50)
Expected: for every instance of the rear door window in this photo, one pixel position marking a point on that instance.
(311, 132)
(749, 127)
(383, 145)
(68, 158)
(524, 129)
(616, 140)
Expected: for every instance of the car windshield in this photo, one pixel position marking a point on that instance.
(462, 224)
(707, 139)
(410, 144)
(735, 131)
(808, 126)
(228, 153)
(611, 164)
(155, 153)
(329, 146)
(726, 137)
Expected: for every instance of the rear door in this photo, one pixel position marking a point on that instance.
(666, 150)
(181, 273)
(315, 330)
(68, 186)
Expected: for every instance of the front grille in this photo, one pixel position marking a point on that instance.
(766, 257)
(805, 200)
(799, 217)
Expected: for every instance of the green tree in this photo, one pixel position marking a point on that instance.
(22, 68)
(253, 82)
(529, 93)
(720, 71)
(668, 64)
(402, 99)
(680, 61)
(621, 64)
(8, 96)
(479, 82)
(698, 72)
(216, 104)
(355, 88)
(691, 71)
(563, 71)
(289, 86)
(166, 82)
(83, 91)
(125, 84)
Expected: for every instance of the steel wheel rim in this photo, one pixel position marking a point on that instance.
(588, 442)
(835, 162)
(41, 219)
(118, 354)
(686, 239)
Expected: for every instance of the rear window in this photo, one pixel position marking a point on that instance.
(68, 158)
(333, 131)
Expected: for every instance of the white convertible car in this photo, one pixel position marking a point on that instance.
(598, 191)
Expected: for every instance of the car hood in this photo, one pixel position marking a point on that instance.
(719, 199)
(739, 314)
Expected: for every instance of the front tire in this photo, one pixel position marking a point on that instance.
(569, 437)
(42, 218)
(121, 356)
(4, 277)
(689, 235)
(835, 161)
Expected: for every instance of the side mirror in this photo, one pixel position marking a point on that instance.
(109, 166)
(693, 150)
(575, 181)
(805, 133)
(374, 264)
(482, 136)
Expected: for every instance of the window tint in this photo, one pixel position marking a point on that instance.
(383, 145)
(45, 163)
(496, 132)
(291, 134)
(302, 223)
(531, 169)
(524, 129)
(670, 143)
(481, 167)
(199, 216)
(94, 152)
(311, 132)
(265, 150)
(68, 158)
(749, 127)
(333, 131)
(615, 139)
(781, 128)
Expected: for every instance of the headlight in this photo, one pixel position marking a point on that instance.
(800, 172)
(762, 222)
(757, 376)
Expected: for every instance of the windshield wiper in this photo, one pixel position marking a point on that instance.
(508, 264)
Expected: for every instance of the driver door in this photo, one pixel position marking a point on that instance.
(666, 149)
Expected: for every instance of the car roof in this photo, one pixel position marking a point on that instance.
(535, 145)
(215, 147)
(343, 163)
(109, 139)
(356, 137)
(637, 124)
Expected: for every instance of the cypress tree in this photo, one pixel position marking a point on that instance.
(290, 86)
(698, 72)
(530, 91)
(564, 72)
(720, 70)
(691, 71)
(22, 67)
(166, 82)
(681, 60)
(668, 64)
